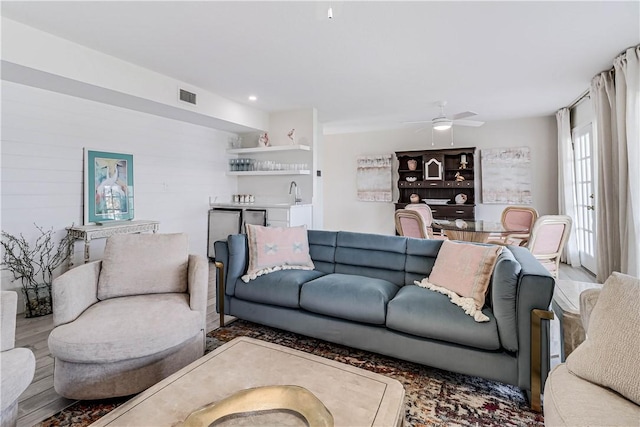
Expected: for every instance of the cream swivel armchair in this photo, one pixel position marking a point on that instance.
(17, 365)
(124, 323)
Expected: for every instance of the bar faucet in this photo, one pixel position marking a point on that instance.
(297, 197)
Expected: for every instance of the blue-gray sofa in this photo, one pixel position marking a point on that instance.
(362, 294)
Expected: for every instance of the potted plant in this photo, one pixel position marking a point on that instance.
(34, 265)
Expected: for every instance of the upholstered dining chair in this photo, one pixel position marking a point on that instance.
(126, 322)
(411, 224)
(17, 365)
(427, 216)
(548, 237)
(516, 218)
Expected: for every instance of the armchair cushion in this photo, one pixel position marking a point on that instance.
(17, 367)
(136, 264)
(609, 355)
(126, 328)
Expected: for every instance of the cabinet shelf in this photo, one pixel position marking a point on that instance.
(271, 149)
(436, 173)
(258, 173)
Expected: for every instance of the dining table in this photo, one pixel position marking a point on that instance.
(477, 230)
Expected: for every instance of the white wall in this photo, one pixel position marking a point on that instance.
(177, 165)
(342, 210)
(304, 121)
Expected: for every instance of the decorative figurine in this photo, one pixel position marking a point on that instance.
(459, 177)
(463, 161)
(290, 135)
(263, 140)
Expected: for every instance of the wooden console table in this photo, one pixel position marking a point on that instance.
(87, 233)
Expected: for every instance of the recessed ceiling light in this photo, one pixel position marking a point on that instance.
(253, 98)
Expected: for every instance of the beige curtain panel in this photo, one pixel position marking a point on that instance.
(616, 101)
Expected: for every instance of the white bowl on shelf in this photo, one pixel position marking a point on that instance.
(411, 179)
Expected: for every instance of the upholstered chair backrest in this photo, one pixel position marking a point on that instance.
(516, 217)
(410, 223)
(8, 304)
(137, 264)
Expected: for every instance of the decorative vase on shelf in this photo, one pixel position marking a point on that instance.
(414, 198)
(412, 164)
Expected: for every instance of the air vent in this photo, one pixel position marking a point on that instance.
(187, 97)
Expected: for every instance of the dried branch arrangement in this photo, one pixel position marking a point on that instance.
(33, 264)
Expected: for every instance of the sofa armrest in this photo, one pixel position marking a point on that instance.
(234, 254)
(198, 284)
(9, 305)
(588, 299)
(74, 292)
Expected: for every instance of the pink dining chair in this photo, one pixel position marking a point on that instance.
(548, 237)
(516, 218)
(411, 224)
(424, 211)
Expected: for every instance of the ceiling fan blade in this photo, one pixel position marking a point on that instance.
(474, 123)
(464, 115)
(416, 122)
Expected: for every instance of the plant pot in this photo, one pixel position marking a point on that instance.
(37, 300)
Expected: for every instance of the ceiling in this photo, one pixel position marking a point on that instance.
(374, 65)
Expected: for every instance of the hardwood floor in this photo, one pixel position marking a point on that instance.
(40, 400)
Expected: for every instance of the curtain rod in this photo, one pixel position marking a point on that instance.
(579, 99)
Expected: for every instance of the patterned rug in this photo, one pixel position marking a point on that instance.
(433, 397)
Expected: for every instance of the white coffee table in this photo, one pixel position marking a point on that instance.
(354, 396)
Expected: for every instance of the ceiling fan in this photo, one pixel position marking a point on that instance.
(442, 122)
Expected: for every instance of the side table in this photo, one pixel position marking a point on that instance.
(566, 305)
(87, 233)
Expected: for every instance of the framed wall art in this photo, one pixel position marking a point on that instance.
(506, 176)
(108, 182)
(374, 178)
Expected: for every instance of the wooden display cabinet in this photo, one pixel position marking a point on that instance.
(441, 175)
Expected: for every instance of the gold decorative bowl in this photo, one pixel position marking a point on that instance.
(258, 400)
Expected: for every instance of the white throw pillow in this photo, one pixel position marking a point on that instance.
(609, 355)
(276, 248)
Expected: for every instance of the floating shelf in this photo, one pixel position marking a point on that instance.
(271, 149)
(257, 173)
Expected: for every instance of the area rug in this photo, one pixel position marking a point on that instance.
(433, 397)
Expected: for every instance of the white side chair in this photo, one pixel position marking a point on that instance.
(17, 365)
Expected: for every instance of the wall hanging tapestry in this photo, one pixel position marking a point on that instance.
(506, 175)
(374, 178)
(108, 182)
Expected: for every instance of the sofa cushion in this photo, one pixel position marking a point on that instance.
(159, 265)
(609, 355)
(276, 248)
(346, 296)
(371, 255)
(421, 312)
(462, 271)
(572, 401)
(126, 328)
(280, 288)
